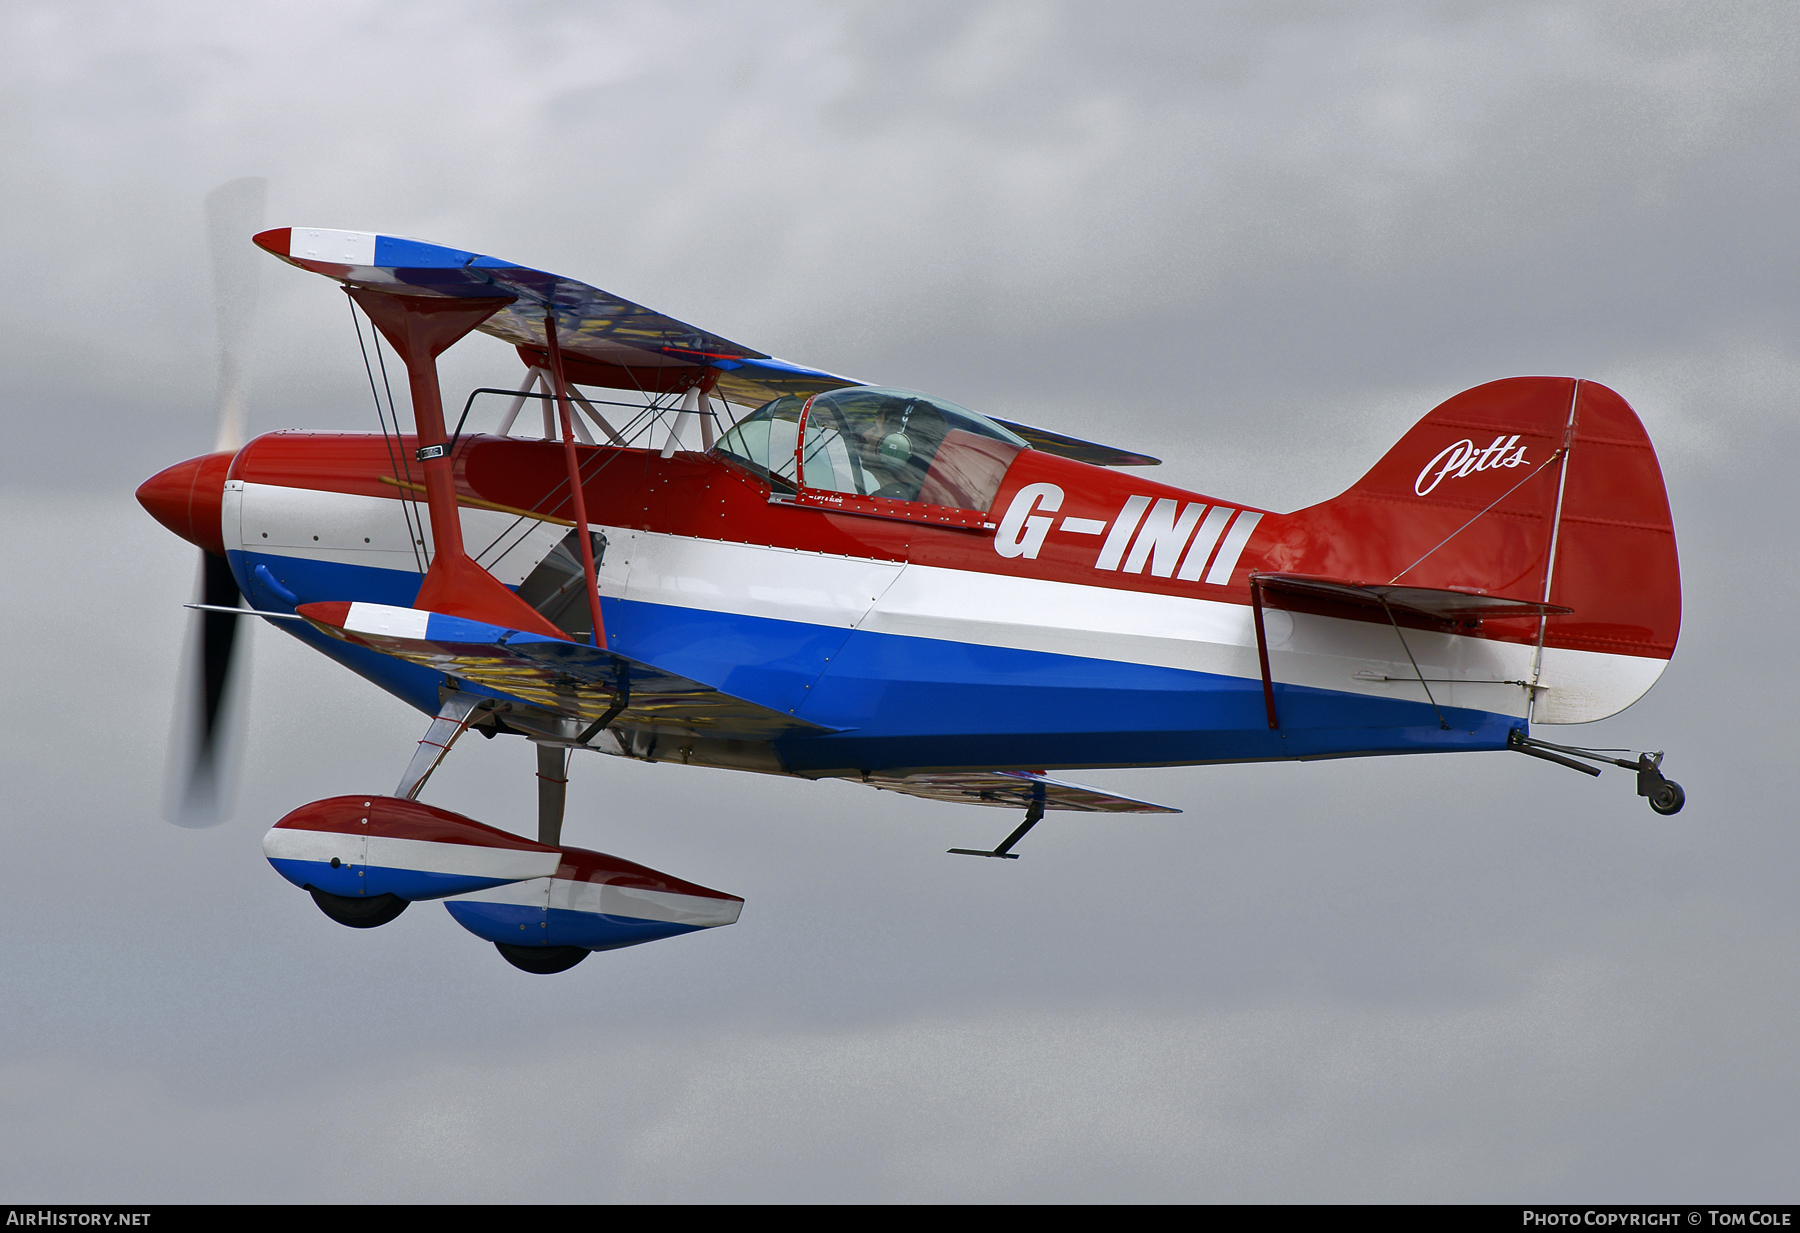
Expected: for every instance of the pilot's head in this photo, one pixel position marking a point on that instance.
(905, 432)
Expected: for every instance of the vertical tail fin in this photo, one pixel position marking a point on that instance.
(1543, 488)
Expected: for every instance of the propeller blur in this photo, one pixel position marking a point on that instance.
(210, 709)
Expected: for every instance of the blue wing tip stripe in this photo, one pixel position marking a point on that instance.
(602, 326)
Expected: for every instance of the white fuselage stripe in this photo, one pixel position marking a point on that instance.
(967, 606)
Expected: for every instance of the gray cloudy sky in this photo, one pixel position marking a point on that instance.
(1258, 239)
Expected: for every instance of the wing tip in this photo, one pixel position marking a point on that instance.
(276, 240)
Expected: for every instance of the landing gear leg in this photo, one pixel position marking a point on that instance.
(452, 720)
(553, 792)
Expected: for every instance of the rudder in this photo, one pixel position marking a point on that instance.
(1482, 495)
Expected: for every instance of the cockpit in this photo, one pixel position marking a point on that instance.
(882, 444)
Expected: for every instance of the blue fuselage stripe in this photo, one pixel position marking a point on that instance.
(908, 702)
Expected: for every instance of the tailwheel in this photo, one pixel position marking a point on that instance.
(1667, 797)
(358, 913)
(543, 960)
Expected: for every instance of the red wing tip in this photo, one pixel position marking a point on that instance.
(332, 612)
(274, 241)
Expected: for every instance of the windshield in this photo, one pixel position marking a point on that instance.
(888, 444)
(768, 432)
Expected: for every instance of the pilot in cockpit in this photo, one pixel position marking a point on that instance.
(897, 445)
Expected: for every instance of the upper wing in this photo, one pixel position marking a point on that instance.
(1012, 789)
(607, 340)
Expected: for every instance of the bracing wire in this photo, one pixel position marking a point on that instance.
(643, 422)
(414, 536)
(1442, 722)
(1471, 522)
(405, 462)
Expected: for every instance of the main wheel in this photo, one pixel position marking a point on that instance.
(358, 913)
(1668, 797)
(543, 960)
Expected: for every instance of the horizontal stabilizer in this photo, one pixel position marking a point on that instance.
(1437, 603)
(567, 678)
(1011, 789)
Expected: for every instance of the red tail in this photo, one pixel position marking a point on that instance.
(1533, 488)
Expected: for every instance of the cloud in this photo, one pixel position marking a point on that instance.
(1543, 1098)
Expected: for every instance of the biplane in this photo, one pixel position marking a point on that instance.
(676, 548)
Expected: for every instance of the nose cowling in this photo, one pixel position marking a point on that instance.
(188, 498)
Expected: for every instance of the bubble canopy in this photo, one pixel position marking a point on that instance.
(884, 444)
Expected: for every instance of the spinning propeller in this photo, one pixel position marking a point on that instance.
(204, 721)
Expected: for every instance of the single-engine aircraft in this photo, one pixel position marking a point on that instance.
(815, 577)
